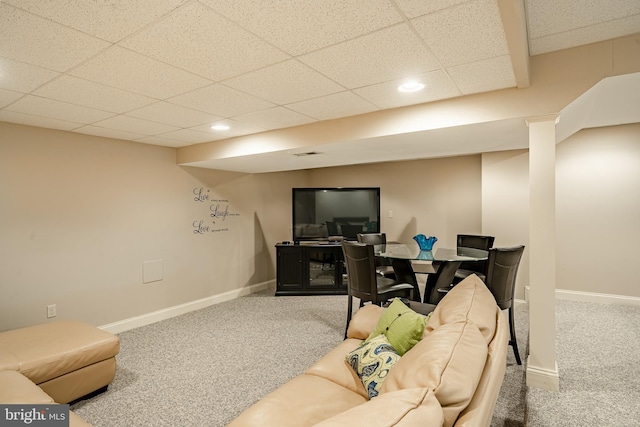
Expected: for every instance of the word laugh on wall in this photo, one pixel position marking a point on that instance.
(217, 210)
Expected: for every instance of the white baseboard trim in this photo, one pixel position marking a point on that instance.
(177, 310)
(546, 379)
(599, 298)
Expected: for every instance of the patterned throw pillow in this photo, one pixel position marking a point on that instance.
(372, 362)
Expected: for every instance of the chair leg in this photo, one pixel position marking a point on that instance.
(349, 310)
(513, 342)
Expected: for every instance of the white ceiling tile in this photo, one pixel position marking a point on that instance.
(190, 136)
(108, 133)
(548, 17)
(124, 69)
(235, 128)
(175, 115)
(286, 82)
(465, 33)
(222, 101)
(135, 125)
(197, 39)
(580, 36)
(34, 40)
(302, 26)
(415, 8)
(274, 118)
(38, 121)
(484, 76)
(78, 91)
(384, 55)
(109, 20)
(166, 142)
(8, 96)
(386, 95)
(23, 77)
(333, 106)
(57, 110)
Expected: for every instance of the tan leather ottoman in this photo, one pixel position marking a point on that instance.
(67, 359)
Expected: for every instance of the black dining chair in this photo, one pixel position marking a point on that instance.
(466, 268)
(383, 266)
(364, 283)
(502, 269)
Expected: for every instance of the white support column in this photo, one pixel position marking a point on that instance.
(542, 369)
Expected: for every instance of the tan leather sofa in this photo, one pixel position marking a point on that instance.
(56, 362)
(452, 377)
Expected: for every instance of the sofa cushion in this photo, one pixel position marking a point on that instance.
(470, 299)
(332, 367)
(364, 321)
(401, 408)
(402, 326)
(301, 402)
(372, 362)
(449, 360)
(16, 388)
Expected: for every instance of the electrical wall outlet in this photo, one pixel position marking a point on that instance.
(51, 311)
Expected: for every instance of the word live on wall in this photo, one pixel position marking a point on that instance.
(217, 210)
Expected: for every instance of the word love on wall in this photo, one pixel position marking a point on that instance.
(217, 213)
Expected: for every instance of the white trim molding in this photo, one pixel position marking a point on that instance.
(597, 297)
(177, 310)
(546, 379)
(565, 294)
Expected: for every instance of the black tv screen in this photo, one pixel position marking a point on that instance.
(322, 212)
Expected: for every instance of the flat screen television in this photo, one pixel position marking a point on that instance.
(319, 213)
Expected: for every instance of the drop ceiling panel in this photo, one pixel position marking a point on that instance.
(23, 77)
(38, 41)
(284, 83)
(222, 101)
(274, 118)
(127, 70)
(415, 8)
(388, 54)
(342, 104)
(438, 85)
(175, 115)
(38, 121)
(113, 21)
(197, 39)
(484, 76)
(466, 33)
(303, 26)
(235, 128)
(44, 107)
(135, 125)
(78, 91)
(190, 136)
(108, 132)
(8, 96)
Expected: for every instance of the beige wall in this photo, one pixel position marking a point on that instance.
(597, 211)
(435, 197)
(80, 214)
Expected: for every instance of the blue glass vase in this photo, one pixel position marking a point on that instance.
(425, 243)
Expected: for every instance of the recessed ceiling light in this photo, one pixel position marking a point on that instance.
(411, 87)
(220, 127)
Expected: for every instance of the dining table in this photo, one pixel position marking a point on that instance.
(444, 263)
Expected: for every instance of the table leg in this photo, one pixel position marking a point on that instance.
(405, 274)
(441, 279)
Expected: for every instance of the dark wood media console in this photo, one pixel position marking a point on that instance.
(310, 269)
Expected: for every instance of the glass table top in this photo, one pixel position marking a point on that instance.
(412, 251)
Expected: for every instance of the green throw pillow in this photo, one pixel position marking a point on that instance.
(402, 326)
(372, 361)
